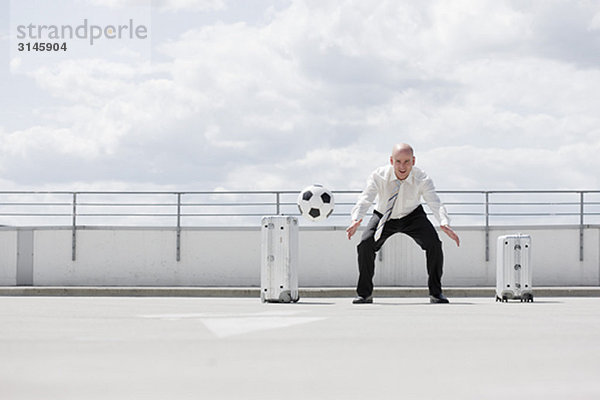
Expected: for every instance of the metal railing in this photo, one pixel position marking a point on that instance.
(244, 208)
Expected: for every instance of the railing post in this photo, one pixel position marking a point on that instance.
(278, 205)
(581, 213)
(487, 226)
(178, 257)
(74, 229)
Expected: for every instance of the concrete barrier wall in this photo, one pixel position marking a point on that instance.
(231, 257)
(8, 257)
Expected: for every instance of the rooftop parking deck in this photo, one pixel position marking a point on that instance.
(320, 348)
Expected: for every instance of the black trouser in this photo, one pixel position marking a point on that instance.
(417, 226)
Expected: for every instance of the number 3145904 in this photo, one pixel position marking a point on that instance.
(42, 46)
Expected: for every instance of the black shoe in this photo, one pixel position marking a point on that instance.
(440, 298)
(363, 300)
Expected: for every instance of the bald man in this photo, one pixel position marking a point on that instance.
(398, 188)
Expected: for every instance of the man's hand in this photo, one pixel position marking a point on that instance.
(448, 231)
(351, 230)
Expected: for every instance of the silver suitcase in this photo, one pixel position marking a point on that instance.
(279, 255)
(513, 268)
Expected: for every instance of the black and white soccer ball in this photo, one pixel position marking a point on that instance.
(315, 202)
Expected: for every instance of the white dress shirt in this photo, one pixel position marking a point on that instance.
(383, 182)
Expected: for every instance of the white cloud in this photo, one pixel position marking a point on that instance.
(560, 167)
(320, 93)
(189, 5)
(118, 4)
(15, 64)
(38, 140)
(213, 138)
(338, 169)
(595, 23)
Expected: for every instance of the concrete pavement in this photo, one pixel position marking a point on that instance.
(320, 348)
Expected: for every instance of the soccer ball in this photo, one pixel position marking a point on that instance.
(315, 202)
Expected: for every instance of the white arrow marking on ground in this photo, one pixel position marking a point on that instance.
(225, 327)
(230, 324)
(218, 315)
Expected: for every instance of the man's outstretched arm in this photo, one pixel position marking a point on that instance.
(448, 231)
(351, 230)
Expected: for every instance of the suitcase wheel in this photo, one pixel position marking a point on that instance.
(285, 297)
(528, 297)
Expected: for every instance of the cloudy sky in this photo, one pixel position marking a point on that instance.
(278, 94)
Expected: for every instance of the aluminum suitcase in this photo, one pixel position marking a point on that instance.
(279, 255)
(513, 268)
